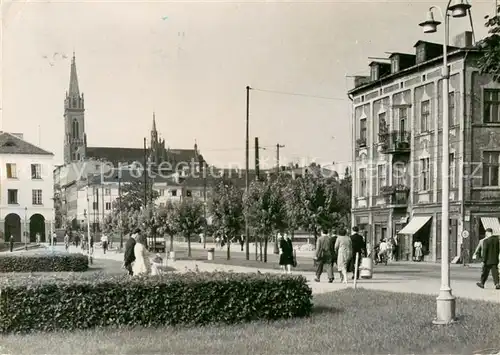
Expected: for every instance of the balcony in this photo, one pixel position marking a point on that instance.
(361, 143)
(395, 142)
(396, 196)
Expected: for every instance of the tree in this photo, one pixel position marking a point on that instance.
(166, 222)
(227, 212)
(489, 61)
(319, 203)
(293, 205)
(265, 209)
(189, 219)
(132, 195)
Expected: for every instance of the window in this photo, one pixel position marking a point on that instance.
(36, 171)
(374, 72)
(452, 170)
(382, 124)
(161, 192)
(491, 165)
(75, 132)
(394, 65)
(95, 206)
(362, 129)
(424, 174)
(173, 193)
(36, 197)
(380, 178)
(420, 54)
(403, 116)
(11, 171)
(363, 183)
(12, 197)
(107, 191)
(425, 112)
(189, 193)
(451, 109)
(108, 206)
(491, 106)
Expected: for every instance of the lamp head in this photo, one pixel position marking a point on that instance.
(459, 9)
(429, 25)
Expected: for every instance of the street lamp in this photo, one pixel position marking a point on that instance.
(445, 302)
(25, 228)
(120, 207)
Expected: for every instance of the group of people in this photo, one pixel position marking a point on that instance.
(135, 257)
(339, 249)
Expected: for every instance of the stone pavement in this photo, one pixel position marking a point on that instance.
(392, 283)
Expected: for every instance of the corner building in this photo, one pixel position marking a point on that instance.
(397, 150)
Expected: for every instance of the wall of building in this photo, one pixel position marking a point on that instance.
(24, 184)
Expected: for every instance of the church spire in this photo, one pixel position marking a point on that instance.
(74, 91)
(154, 123)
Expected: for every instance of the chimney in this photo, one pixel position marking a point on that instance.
(463, 40)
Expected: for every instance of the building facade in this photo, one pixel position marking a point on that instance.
(397, 131)
(27, 189)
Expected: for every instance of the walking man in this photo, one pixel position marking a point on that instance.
(358, 247)
(325, 251)
(489, 252)
(129, 255)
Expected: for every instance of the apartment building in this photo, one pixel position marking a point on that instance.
(397, 131)
(27, 189)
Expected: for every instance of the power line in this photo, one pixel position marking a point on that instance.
(300, 94)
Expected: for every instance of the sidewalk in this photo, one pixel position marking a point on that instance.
(392, 283)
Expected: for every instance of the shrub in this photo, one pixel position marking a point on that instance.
(44, 263)
(79, 302)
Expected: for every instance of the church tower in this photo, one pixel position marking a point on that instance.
(75, 139)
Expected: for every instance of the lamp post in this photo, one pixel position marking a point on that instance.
(247, 167)
(120, 207)
(445, 302)
(25, 228)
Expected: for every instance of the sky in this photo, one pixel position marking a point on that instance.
(189, 62)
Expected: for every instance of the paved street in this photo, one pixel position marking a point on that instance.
(421, 278)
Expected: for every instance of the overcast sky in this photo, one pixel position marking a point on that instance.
(190, 63)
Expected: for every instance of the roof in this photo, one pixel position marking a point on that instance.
(118, 155)
(402, 54)
(378, 63)
(409, 70)
(128, 175)
(11, 144)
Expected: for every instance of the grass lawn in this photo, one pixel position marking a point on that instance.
(348, 321)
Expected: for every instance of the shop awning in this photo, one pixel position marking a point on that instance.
(491, 222)
(416, 223)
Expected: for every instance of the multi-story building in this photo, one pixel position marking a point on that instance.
(27, 189)
(397, 151)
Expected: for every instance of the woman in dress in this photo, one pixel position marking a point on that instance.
(418, 250)
(343, 250)
(286, 254)
(141, 265)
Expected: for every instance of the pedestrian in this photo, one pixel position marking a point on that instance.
(54, 239)
(66, 241)
(489, 252)
(343, 250)
(104, 242)
(324, 256)
(286, 254)
(11, 243)
(358, 244)
(141, 265)
(419, 254)
(129, 255)
(37, 236)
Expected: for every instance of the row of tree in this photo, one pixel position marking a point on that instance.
(276, 205)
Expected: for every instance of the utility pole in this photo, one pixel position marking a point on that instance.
(204, 167)
(247, 178)
(278, 146)
(257, 160)
(145, 175)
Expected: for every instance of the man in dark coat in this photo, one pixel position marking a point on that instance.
(490, 254)
(325, 251)
(129, 255)
(358, 246)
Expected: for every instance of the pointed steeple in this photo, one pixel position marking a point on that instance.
(74, 91)
(154, 123)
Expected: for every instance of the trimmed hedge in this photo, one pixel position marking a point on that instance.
(79, 302)
(44, 262)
